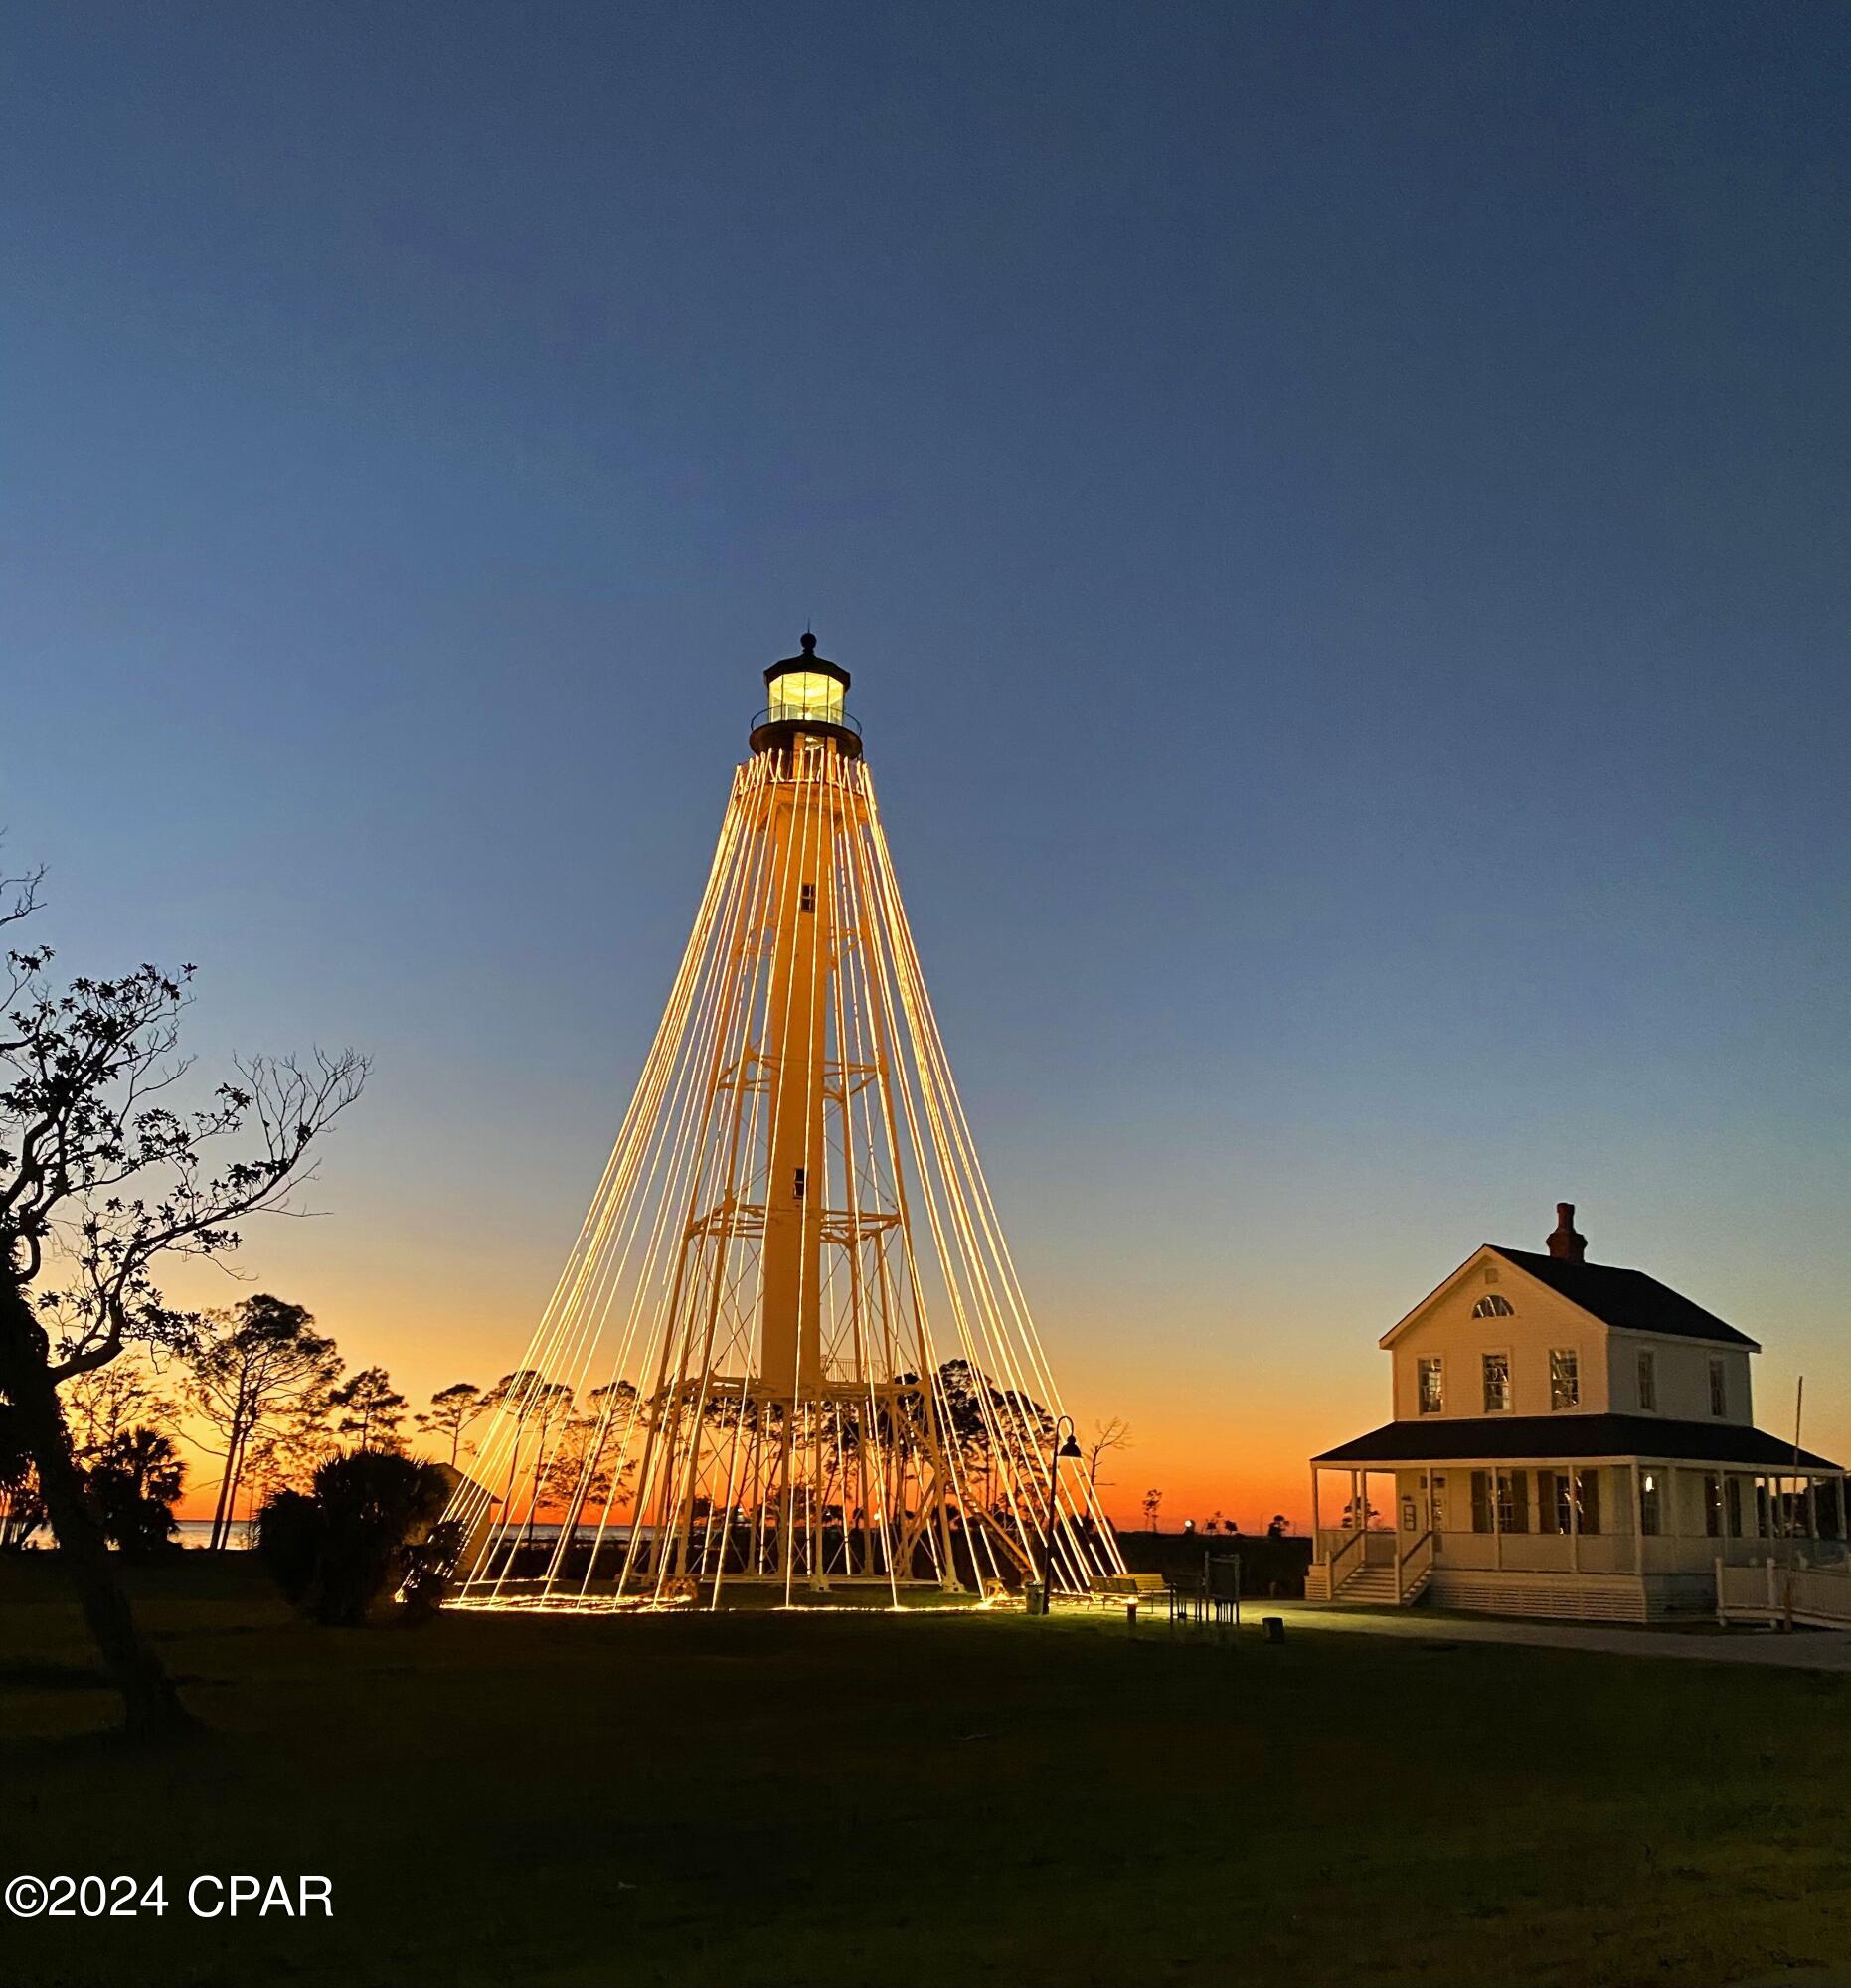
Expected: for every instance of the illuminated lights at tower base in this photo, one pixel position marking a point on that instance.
(789, 1353)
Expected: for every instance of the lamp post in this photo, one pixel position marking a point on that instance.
(1069, 1448)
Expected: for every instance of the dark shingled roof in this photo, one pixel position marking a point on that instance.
(1466, 1438)
(1627, 1299)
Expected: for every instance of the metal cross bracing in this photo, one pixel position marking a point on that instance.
(789, 1347)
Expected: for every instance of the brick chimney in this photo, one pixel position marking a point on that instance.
(1567, 1242)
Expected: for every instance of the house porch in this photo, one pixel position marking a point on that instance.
(1613, 1538)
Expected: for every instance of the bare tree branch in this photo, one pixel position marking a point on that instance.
(100, 1177)
(100, 1173)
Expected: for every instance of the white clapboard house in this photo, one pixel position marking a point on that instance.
(1569, 1438)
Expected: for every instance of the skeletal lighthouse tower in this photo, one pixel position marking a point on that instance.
(788, 1348)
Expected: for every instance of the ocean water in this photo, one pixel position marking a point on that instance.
(198, 1532)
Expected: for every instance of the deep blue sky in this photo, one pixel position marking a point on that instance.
(1337, 516)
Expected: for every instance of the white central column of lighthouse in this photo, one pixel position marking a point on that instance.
(804, 811)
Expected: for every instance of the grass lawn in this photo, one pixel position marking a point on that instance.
(842, 1798)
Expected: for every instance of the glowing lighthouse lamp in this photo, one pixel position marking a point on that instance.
(807, 690)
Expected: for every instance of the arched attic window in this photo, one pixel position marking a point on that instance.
(1494, 1307)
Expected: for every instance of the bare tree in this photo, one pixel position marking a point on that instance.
(284, 1455)
(259, 1378)
(581, 1471)
(453, 1411)
(1153, 1504)
(1105, 1436)
(107, 1403)
(119, 1421)
(101, 1180)
(371, 1410)
(530, 1403)
(545, 1412)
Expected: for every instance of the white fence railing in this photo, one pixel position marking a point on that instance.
(1818, 1596)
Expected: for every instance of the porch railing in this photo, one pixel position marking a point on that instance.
(1820, 1597)
(1414, 1565)
(1340, 1565)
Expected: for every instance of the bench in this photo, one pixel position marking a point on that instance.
(1125, 1591)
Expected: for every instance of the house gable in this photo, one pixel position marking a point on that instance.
(1527, 1308)
(1492, 1308)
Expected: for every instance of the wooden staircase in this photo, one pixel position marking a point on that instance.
(1368, 1588)
(1363, 1584)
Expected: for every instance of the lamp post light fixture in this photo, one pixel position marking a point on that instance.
(1069, 1449)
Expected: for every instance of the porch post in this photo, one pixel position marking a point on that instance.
(1639, 1522)
(1574, 1519)
(1357, 1521)
(1812, 1508)
(1317, 1536)
(1497, 1526)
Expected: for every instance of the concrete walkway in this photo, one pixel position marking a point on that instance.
(1806, 1650)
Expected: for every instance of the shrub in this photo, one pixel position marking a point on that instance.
(340, 1550)
(133, 1483)
(289, 1541)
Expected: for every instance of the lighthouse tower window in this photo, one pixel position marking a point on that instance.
(806, 694)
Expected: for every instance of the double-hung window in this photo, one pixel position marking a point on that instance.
(1648, 1384)
(1496, 1383)
(1565, 1378)
(1718, 1388)
(1431, 1374)
(1500, 1501)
